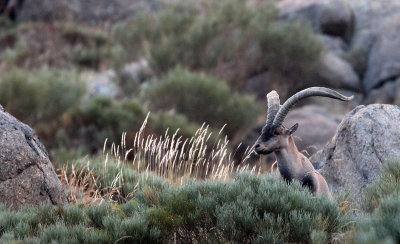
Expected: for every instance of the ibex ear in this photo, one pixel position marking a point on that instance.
(292, 129)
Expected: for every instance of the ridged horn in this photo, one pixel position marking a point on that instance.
(273, 106)
(309, 92)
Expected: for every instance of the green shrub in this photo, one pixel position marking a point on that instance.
(89, 48)
(75, 34)
(16, 53)
(97, 213)
(107, 118)
(246, 209)
(41, 98)
(383, 226)
(203, 99)
(169, 120)
(6, 23)
(386, 185)
(290, 50)
(60, 233)
(90, 57)
(233, 39)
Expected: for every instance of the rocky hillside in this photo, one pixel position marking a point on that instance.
(360, 57)
(348, 45)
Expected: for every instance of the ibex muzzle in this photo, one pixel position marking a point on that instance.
(276, 138)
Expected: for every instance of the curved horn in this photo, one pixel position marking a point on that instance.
(273, 106)
(309, 92)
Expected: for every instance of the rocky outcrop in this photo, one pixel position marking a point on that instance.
(27, 176)
(336, 45)
(334, 72)
(334, 17)
(333, 21)
(364, 140)
(384, 58)
(388, 93)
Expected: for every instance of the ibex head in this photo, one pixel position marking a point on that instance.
(274, 135)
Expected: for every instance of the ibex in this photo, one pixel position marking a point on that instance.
(276, 138)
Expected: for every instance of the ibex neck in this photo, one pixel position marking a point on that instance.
(288, 160)
(288, 150)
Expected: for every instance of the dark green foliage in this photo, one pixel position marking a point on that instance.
(78, 35)
(89, 57)
(60, 233)
(96, 214)
(41, 95)
(202, 98)
(382, 202)
(72, 215)
(383, 226)
(104, 117)
(288, 59)
(89, 48)
(41, 99)
(386, 185)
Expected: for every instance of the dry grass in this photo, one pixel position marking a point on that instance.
(170, 157)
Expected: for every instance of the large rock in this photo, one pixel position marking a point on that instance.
(371, 16)
(384, 58)
(374, 30)
(388, 93)
(365, 139)
(27, 176)
(336, 45)
(331, 17)
(335, 72)
(331, 71)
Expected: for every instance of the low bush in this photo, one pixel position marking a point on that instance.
(203, 99)
(246, 209)
(381, 221)
(41, 98)
(89, 48)
(383, 225)
(89, 57)
(105, 117)
(386, 185)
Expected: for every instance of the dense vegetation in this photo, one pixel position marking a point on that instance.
(179, 183)
(248, 208)
(204, 53)
(211, 211)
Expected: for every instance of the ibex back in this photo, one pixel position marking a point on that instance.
(276, 138)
